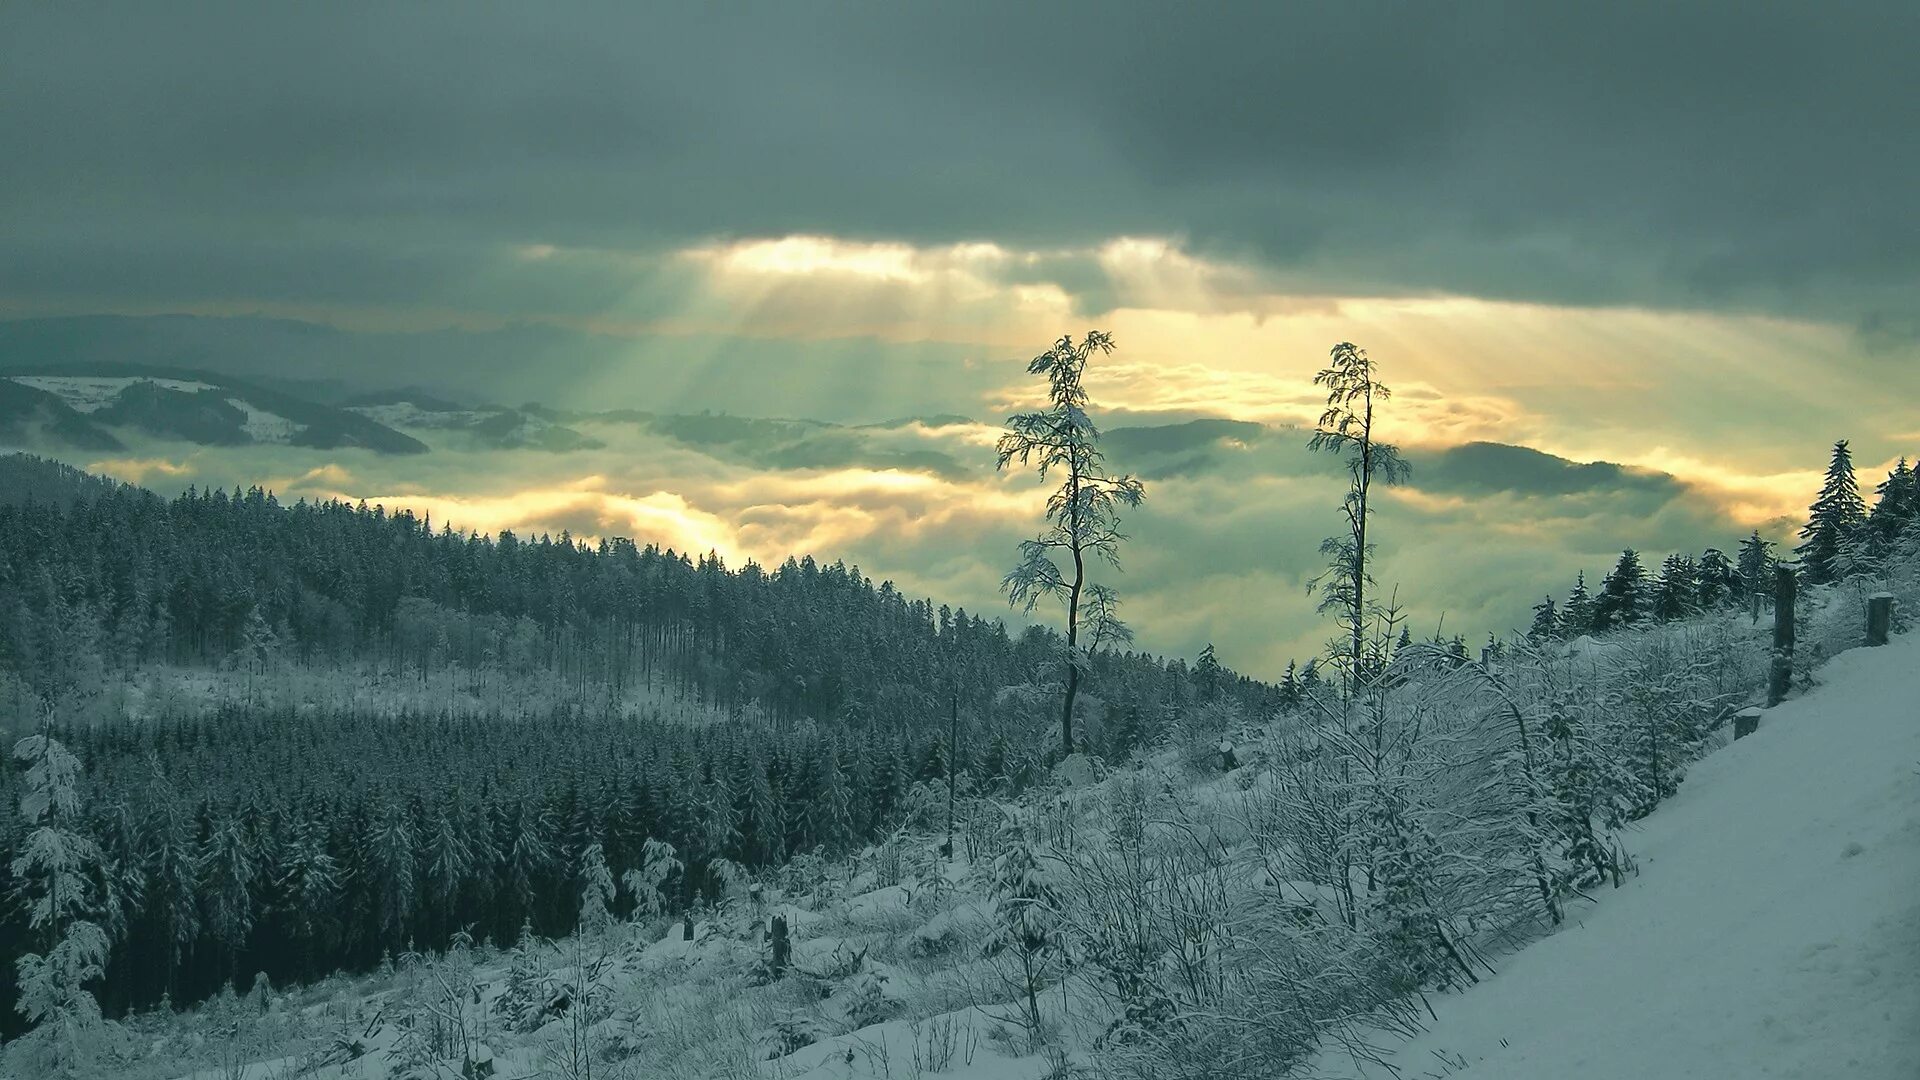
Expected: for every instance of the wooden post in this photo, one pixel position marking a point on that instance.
(1785, 584)
(782, 947)
(1746, 722)
(1879, 618)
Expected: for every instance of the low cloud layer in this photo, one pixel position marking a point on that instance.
(1222, 551)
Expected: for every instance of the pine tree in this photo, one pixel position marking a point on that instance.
(1207, 674)
(1546, 622)
(447, 857)
(1755, 570)
(1026, 920)
(648, 881)
(528, 854)
(228, 879)
(833, 819)
(1832, 520)
(309, 882)
(1896, 501)
(58, 868)
(1623, 598)
(1083, 516)
(1716, 579)
(1674, 590)
(1310, 680)
(392, 863)
(597, 890)
(170, 868)
(1871, 545)
(1577, 617)
(523, 999)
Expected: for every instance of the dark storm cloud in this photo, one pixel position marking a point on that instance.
(1754, 156)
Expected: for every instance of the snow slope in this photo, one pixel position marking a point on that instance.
(87, 393)
(1773, 931)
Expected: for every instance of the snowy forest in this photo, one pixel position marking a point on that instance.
(264, 748)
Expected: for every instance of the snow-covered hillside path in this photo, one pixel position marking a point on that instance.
(1773, 931)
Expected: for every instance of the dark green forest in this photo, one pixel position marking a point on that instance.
(263, 839)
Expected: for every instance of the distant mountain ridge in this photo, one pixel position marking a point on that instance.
(82, 404)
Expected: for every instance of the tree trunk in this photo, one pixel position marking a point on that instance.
(953, 769)
(1073, 623)
(1781, 676)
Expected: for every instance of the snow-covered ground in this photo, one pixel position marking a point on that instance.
(1773, 930)
(90, 393)
(265, 427)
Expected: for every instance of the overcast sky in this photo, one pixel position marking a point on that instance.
(1681, 237)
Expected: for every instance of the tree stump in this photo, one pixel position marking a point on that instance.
(782, 946)
(1879, 618)
(1785, 586)
(1746, 722)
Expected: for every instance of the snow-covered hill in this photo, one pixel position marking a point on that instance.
(1773, 931)
(86, 405)
(1770, 928)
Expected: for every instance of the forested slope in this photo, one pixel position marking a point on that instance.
(277, 832)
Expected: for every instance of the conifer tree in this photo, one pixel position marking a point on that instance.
(58, 868)
(1026, 921)
(309, 880)
(1546, 621)
(1896, 501)
(229, 872)
(1623, 598)
(648, 881)
(1206, 674)
(1083, 516)
(1715, 579)
(1755, 573)
(1577, 617)
(391, 861)
(171, 870)
(1871, 545)
(597, 890)
(1832, 520)
(1673, 590)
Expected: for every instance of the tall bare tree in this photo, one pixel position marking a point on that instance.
(1346, 430)
(1083, 515)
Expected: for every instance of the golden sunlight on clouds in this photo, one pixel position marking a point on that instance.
(662, 517)
(138, 470)
(1710, 394)
(807, 255)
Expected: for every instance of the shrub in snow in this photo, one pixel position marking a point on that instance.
(1025, 934)
(525, 995)
(791, 1032)
(866, 1001)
